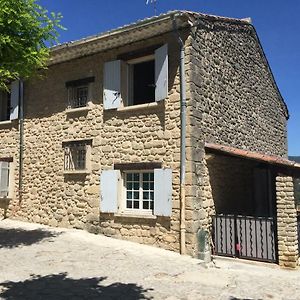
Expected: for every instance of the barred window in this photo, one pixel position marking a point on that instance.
(75, 155)
(78, 96)
(79, 92)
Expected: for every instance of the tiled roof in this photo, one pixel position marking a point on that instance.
(269, 159)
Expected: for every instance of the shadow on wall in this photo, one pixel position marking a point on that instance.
(59, 286)
(13, 237)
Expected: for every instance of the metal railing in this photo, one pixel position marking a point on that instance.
(244, 237)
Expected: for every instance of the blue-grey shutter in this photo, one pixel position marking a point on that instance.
(163, 192)
(4, 179)
(109, 191)
(161, 73)
(14, 99)
(112, 85)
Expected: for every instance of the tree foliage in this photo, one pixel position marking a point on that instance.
(25, 28)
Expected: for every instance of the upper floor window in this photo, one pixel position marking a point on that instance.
(9, 102)
(79, 92)
(4, 106)
(139, 80)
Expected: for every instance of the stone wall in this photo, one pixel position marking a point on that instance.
(128, 135)
(286, 222)
(234, 102)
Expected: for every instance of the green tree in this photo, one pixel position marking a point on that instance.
(25, 30)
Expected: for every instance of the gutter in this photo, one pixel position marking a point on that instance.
(182, 136)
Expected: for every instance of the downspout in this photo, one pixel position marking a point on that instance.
(21, 149)
(182, 136)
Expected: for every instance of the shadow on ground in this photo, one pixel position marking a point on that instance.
(59, 286)
(14, 237)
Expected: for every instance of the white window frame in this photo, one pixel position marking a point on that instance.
(123, 205)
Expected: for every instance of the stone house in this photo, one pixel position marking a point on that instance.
(163, 132)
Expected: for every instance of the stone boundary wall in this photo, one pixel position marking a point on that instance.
(286, 222)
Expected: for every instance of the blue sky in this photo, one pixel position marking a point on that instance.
(276, 23)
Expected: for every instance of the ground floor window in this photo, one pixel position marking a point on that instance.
(4, 179)
(76, 155)
(139, 188)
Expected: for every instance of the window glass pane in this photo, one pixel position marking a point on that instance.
(145, 205)
(136, 176)
(152, 176)
(136, 186)
(152, 186)
(151, 205)
(129, 195)
(145, 195)
(129, 204)
(136, 204)
(145, 186)
(136, 195)
(129, 177)
(129, 185)
(145, 176)
(152, 195)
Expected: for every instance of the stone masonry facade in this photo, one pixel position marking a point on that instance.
(231, 99)
(286, 222)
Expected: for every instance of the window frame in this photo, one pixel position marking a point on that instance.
(72, 93)
(129, 82)
(123, 199)
(67, 146)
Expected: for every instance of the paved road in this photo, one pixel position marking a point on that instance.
(38, 262)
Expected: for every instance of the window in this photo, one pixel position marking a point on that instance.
(4, 106)
(128, 192)
(79, 92)
(139, 190)
(9, 102)
(4, 179)
(75, 155)
(137, 80)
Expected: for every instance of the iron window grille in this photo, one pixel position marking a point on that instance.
(78, 96)
(139, 188)
(75, 155)
(79, 92)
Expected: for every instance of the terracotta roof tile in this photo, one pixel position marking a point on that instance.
(269, 159)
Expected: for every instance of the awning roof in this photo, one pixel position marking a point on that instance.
(264, 158)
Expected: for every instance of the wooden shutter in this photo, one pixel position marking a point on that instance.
(14, 100)
(163, 192)
(112, 85)
(4, 179)
(109, 190)
(161, 73)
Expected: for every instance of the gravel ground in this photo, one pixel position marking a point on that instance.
(39, 262)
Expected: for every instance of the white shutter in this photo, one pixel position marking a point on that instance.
(163, 192)
(4, 179)
(161, 73)
(109, 191)
(112, 85)
(14, 99)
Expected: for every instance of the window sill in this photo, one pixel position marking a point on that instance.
(138, 107)
(135, 216)
(76, 172)
(78, 109)
(5, 122)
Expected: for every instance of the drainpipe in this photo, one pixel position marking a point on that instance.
(182, 136)
(21, 149)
